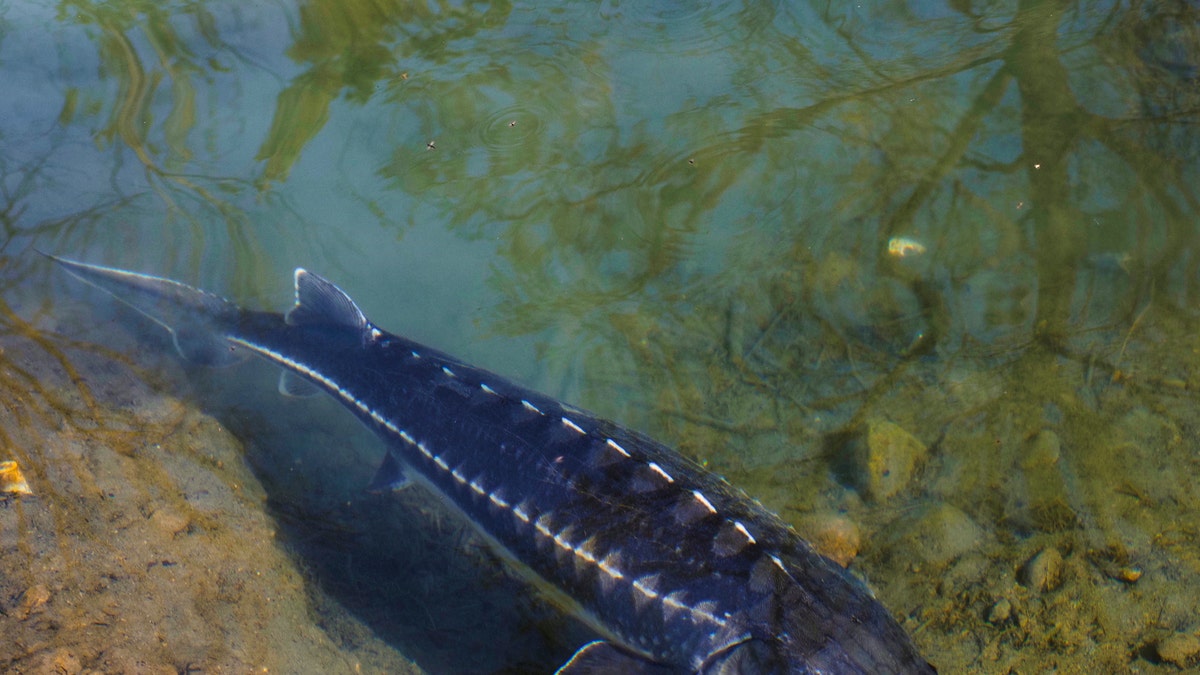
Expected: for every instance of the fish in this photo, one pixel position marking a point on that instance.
(675, 570)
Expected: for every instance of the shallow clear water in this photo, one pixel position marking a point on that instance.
(750, 229)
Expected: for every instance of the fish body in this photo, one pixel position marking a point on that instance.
(676, 570)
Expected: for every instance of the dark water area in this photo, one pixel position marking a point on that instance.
(924, 278)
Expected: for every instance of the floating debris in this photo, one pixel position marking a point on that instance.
(902, 247)
(12, 481)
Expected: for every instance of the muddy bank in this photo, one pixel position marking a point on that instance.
(146, 546)
(193, 520)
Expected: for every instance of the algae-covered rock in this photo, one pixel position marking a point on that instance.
(1181, 649)
(1042, 572)
(934, 535)
(883, 459)
(1000, 612)
(1042, 450)
(834, 536)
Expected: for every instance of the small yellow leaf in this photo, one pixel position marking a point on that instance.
(12, 481)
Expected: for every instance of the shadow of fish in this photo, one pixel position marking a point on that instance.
(675, 570)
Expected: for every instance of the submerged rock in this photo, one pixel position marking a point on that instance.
(1000, 612)
(835, 537)
(32, 601)
(1042, 572)
(883, 458)
(934, 535)
(1181, 649)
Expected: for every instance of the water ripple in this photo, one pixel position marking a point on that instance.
(511, 127)
(684, 26)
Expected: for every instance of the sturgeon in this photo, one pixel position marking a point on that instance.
(674, 569)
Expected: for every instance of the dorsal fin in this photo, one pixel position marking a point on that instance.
(320, 303)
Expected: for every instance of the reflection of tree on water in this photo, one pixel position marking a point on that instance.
(1015, 251)
(1060, 246)
(169, 64)
(632, 204)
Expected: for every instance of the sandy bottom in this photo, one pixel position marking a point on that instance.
(146, 546)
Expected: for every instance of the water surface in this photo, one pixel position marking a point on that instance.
(753, 230)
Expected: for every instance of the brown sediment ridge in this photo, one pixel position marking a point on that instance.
(124, 562)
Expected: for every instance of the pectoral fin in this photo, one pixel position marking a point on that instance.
(603, 658)
(390, 476)
(295, 386)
